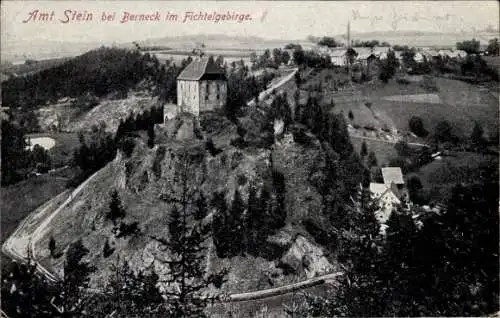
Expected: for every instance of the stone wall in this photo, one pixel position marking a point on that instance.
(188, 96)
(213, 94)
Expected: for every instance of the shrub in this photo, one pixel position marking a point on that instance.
(416, 125)
(350, 115)
(127, 229)
(107, 250)
(126, 145)
(238, 142)
(300, 136)
(52, 246)
(403, 81)
(429, 84)
(209, 145)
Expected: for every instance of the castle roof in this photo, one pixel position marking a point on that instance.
(199, 68)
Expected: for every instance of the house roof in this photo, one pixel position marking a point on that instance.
(381, 190)
(365, 56)
(392, 175)
(378, 188)
(362, 50)
(378, 50)
(430, 53)
(444, 52)
(199, 67)
(338, 53)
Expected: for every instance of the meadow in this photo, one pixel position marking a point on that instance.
(391, 105)
(440, 176)
(62, 152)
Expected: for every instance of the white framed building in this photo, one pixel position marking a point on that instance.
(201, 86)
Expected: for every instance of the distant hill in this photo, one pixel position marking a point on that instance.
(219, 41)
(97, 72)
(420, 38)
(20, 50)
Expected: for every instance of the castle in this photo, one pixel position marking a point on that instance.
(201, 86)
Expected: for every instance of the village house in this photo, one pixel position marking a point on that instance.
(381, 52)
(430, 55)
(201, 86)
(419, 57)
(444, 53)
(460, 54)
(389, 194)
(339, 57)
(365, 59)
(387, 201)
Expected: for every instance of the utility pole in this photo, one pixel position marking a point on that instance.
(349, 68)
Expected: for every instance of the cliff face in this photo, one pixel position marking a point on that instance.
(146, 180)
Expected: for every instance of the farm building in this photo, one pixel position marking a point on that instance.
(393, 175)
(387, 200)
(444, 53)
(419, 57)
(339, 57)
(201, 86)
(366, 59)
(460, 53)
(430, 54)
(389, 194)
(381, 52)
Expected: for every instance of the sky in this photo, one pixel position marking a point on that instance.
(269, 19)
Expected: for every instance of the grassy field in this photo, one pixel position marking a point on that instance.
(440, 176)
(62, 152)
(20, 199)
(393, 104)
(492, 61)
(383, 151)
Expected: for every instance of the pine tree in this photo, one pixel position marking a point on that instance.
(75, 279)
(221, 237)
(151, 135)
(24, 293)
(116, 211)
(350, 115)
(372, 160)
(187, 276)
(359, 293)
(235, 224)
(130, 294)
(477, 137)
(52, 246)
(107, 250)
(364, 149)
(253, 221)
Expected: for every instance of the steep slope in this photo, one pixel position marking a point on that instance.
(146, 180)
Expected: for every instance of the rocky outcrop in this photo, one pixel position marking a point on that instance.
(305, 257)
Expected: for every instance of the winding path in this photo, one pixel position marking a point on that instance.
(390, 142)
(264, 94)
(11, 248)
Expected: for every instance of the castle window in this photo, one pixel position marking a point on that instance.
(218, 89)
(218, 96)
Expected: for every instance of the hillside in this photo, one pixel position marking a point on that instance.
(148, 176)
(96, 73)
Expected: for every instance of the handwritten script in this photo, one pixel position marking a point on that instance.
(396, 19)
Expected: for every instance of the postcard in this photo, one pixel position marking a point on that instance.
(249, 158)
